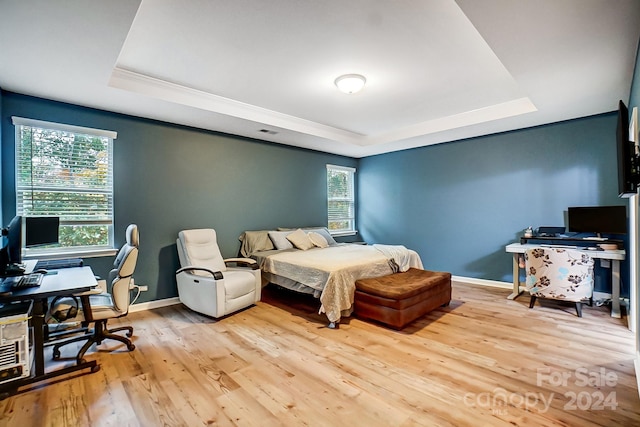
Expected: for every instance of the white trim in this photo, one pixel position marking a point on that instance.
(343, 233)
(342, 168)
(176, 300)
(175, 93)
(153, 304)
(483, 282)
(351, 174)
(508, 285)
(514, 107)
(21, 121)
(597, 295)
(633, 263)
(71, 253)
(132, 81)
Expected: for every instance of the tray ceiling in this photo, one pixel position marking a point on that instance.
(436, 71)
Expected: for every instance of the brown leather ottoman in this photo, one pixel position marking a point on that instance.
(398, 299)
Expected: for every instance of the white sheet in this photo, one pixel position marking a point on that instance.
(334, 270)
(399, 254)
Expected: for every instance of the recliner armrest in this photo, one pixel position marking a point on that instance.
(216, 274)
(244, 262)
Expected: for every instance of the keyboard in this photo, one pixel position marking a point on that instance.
(32, 280)
(57, 264)
(561, 246)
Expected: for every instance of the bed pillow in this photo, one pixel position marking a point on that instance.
(255, 241)
(279, 239)
(317, 239)
(300, 240)
(324, 232)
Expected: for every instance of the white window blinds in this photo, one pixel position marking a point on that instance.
(340, 199)
(66, 171)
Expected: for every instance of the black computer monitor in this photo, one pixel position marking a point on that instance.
(11, 252)
(41, 230)
(598, 219)
(14, 240)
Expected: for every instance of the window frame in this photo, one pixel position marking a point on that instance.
(87, 250)
(351, 173)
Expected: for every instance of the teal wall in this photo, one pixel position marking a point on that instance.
(634, 96)
(459, 204)
(168, 178)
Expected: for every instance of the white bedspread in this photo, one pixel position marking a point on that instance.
(334, 270)
(400, 255)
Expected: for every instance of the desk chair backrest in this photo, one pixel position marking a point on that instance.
(199, 247)
(124, 266)
(556, 273)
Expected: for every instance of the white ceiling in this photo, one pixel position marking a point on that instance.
(437, 70)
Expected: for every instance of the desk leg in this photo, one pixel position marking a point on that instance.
(615, 289)
(37, 321)
(516, 278)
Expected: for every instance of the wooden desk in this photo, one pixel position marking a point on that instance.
(65, 281)
(615, 256)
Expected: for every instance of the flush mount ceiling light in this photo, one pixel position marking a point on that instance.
(350, 83)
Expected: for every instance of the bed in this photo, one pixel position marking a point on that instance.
(301, 261)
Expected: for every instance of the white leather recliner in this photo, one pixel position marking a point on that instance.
(206, 283)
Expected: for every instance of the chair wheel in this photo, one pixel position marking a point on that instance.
(130, 334)
(131, 347)
(95, 369)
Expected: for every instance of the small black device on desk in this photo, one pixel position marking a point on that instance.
(550, 231)
(31, 280)
(14, 270)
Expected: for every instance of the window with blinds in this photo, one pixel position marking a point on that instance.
(67, 172)
(341, 199)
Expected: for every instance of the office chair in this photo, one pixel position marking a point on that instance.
(98, 308)
(560, 274)
(206, 284)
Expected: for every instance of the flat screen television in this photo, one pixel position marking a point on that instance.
(627, 160)
(41, 231)
(598, 219)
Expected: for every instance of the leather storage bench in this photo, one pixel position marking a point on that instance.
(398, 299)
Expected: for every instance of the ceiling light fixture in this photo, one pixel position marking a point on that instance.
(350, 83)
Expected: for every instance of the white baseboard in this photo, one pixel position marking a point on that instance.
(471, 280)
(508, 285)
(601, 295)
(142, 306)
(483, 282)
(175, 300)
(153, 304)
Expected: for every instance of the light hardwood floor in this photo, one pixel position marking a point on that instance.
(482, 361)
